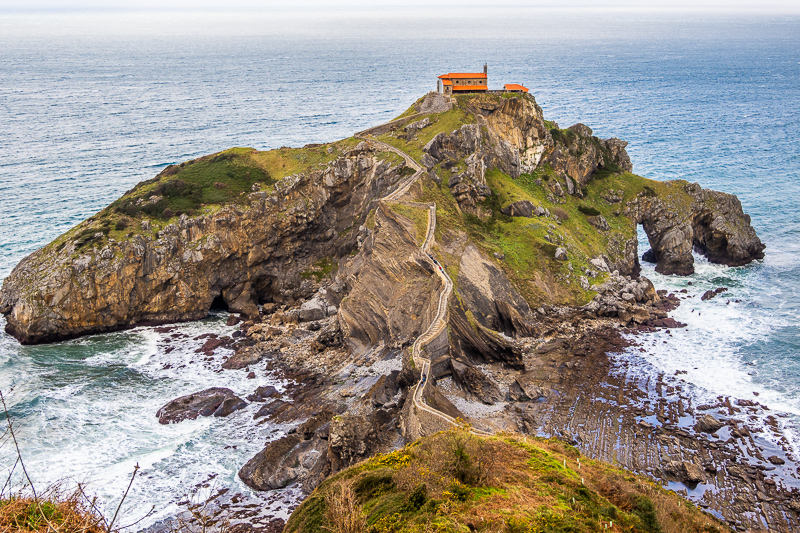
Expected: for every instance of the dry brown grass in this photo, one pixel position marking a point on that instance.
(52, 511)
(456, 457)
(343, 512)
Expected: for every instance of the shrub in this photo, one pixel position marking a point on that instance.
(588, 210)
(560, 214)
(51, 511)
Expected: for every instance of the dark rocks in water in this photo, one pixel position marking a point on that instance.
(262, 393)
(233, 320)
(711, 294)
(270, 409)
(210, 345)
(229, 405)
(520, 208)
(650, 256)
(215, 401)
(708, 424)
(774, 459)
(747, 403)
(244, 357)
(666, 322)
(251, 375)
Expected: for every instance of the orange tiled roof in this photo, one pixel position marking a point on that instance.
(459, 75)
(469, 87)
(447, 82)
(515, 87)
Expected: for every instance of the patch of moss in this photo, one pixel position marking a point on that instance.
(319, 270)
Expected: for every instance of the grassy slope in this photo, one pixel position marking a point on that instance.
(529, 257)
(200, 186)
(456, 482)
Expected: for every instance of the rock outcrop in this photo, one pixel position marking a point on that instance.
(391, 293)
(688, 217)
(216, 401)
(237, 256)
(577, 155)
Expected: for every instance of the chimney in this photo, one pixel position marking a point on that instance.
(486, 69)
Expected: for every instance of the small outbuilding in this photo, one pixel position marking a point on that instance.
(514, 88)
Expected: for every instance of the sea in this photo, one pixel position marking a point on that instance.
(93, 102)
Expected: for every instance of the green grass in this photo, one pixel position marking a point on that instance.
(457, 482)
(202, 186)
(418, 215)
(440, 122)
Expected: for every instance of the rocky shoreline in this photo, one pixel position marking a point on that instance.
(573, 387)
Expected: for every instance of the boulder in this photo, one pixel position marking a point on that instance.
(685, 472)
(244, 357)
(599, 222)
(262, 393)
(523, 390)
(475, 382)
(215, 401)
(711, 294)
(561, 253)
(708, 424)
(520, 208)
(274, 467)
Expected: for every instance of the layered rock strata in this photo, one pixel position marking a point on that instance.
(237, 256)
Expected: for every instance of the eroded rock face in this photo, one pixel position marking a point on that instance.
(216, 401)
(578, 155)
(481, 284)
(386, 283)
(240, 255)
(710, 222)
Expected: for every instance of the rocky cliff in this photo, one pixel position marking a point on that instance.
(237, 255)
(146, 260)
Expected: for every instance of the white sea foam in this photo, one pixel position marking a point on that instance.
(714, 352)
(96, 428)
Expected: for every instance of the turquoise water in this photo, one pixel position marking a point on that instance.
(92, 104)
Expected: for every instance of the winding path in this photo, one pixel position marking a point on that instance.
(439, 323)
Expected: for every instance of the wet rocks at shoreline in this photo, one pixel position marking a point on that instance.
(216, 401)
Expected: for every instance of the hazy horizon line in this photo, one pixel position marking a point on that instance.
(321, 8)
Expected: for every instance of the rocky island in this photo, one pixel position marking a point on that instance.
(467, 263)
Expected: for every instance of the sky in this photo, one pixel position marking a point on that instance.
(717, 6)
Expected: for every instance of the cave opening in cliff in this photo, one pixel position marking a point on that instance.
(219, 304)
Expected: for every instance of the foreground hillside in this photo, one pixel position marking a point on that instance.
(457, 482)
